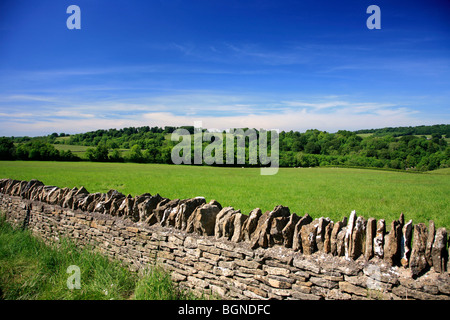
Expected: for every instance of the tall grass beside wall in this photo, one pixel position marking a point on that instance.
(33, 270)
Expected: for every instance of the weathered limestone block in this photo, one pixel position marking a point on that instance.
(320, 234)
(297, 238)
(448, 263)
(22, 186)
(26, 191)
(428, 287)
(260, 237)
(239, 220)
(126, 207)
(334, 234)
(81, 192)
(78, 196)
(53, 195)
(371, 229)
(327, 241)
(96, 205)
(250, 224)
(115, 204)
(203, 219)
(392, 244)
(3, 183)
(61, 197)
(15, 190)
(340, 242)
(170, 214)
(111, 201)
(288, 230)
(348, 234)
(278, 224)
(163, 210)
(430, 241)
(418, 262)
(6, 185)
(405, 244)
(219, 228)
(68, 199)
(216, 203)
(133, 206)
(36, 192)
(112, 193)
(264, 233)
(378, 241)
(404, 292)
(439, 254)
(347, 287)
(104, 204)
(308, 234)
(228, 225)
(157, 213)
(303, 262)
(86, 201)
(10, 186)
(17, 187)
(322, 282)
(380, 277)
(187, 207)
(357, 240)
(46, 190)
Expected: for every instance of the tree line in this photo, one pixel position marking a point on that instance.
(441, 129)
(34, 149)
(395, 148)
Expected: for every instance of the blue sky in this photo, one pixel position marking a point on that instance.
(288, 65)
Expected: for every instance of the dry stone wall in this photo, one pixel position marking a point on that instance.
(210, 248)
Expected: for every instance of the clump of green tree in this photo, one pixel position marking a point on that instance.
(34, 149)
(439, 129)
(319, 148)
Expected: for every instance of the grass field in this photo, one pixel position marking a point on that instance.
(76, 150)
(80, 151)
(328, 192)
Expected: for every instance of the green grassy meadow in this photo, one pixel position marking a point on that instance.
(80, 151)
(76, 150)
(328, 192)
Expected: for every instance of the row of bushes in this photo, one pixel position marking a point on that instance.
(432, 162)
(33, 150)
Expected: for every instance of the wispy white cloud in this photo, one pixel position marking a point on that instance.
(215, 110)
(72, 114)
(316, 105)
(342, 106)
(285, 121)
(27, 97)
(17, 115)
(255, 53)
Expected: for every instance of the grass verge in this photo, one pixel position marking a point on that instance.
(33, 270)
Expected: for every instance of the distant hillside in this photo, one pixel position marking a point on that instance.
(407, 148)
(441, 129)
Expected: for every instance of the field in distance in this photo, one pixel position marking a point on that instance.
(328, 192)
(80, 151)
